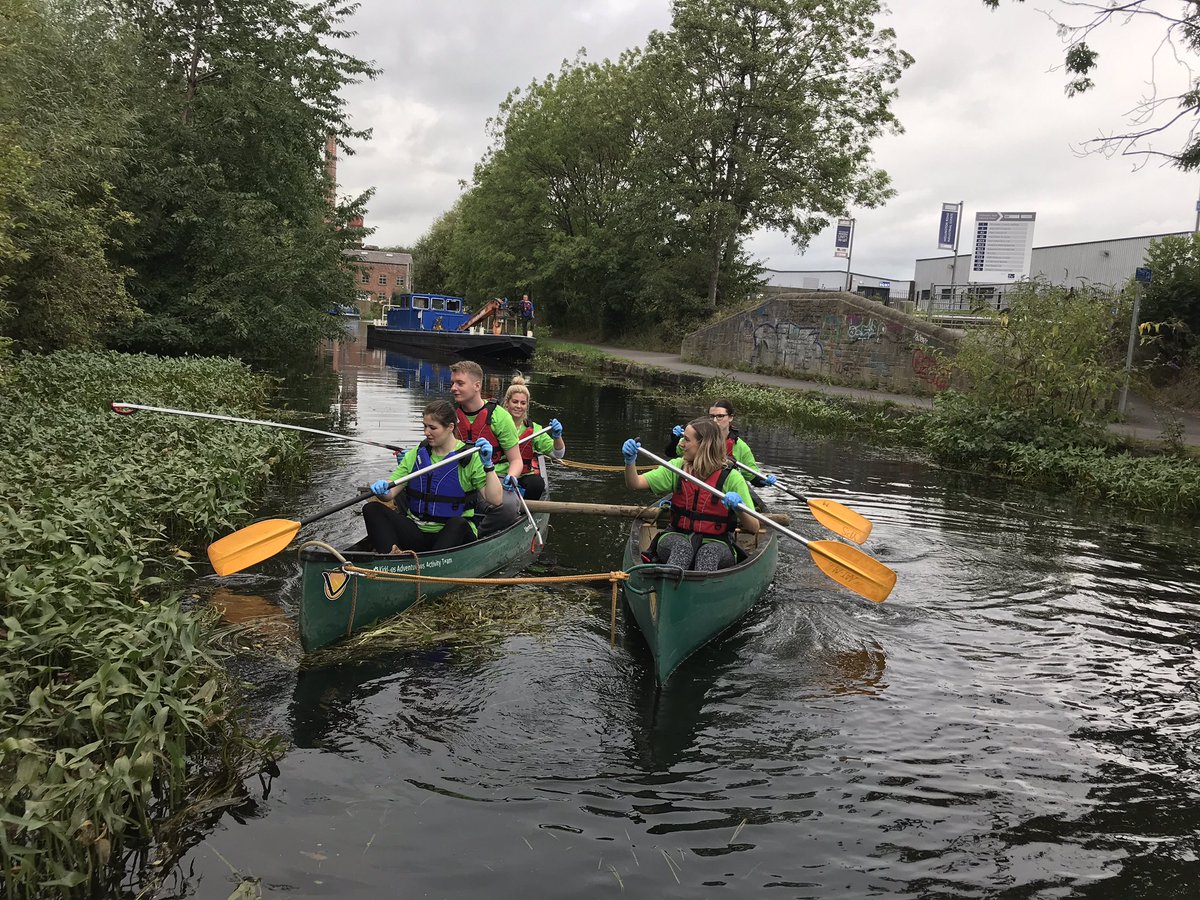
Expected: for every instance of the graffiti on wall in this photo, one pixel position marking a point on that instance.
(786, 345)
(928, 368)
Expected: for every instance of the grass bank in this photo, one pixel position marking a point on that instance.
(1087, 461)
(116, 715)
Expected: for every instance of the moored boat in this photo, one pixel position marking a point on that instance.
(440, 323)
(338, 601)
(678, 611)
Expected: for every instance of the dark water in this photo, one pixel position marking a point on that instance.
(1018, 720)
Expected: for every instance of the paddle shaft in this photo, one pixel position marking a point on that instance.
(457, 457)
(786, 490)
(712, 490)
(126, 408)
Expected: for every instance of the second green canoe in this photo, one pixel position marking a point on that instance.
(679, 612)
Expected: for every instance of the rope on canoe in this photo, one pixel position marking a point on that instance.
(614, 578)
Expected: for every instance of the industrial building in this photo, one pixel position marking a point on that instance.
(941, 282)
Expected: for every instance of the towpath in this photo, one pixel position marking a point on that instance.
(1143, 421)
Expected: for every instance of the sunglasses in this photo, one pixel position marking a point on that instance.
(718, 415)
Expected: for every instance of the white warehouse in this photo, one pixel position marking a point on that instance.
(1108, 263)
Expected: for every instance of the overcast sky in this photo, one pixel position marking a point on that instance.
(985, 115)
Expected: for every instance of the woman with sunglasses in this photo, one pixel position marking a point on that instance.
(721, 413)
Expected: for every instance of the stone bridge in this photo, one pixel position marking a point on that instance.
(830, 336)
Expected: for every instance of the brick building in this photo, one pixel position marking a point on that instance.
(380, 274)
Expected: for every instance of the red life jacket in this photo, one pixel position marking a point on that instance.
(697, 511)
(731, 441)
(527, 455)
(469, 432)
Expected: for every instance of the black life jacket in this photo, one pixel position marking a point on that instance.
(697, 511)
(439, 496)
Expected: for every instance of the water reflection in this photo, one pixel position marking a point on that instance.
(1019, 719)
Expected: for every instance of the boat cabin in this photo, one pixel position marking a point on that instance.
(426, 312)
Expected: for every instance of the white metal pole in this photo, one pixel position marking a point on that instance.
(954, 263)
(849, 255)
(1133, 330)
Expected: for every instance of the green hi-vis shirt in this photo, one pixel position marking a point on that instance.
(542, 444)
(471, 476)
(663, 481)
(506, 436)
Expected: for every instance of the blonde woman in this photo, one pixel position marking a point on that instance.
(702, 526)
(516, 401)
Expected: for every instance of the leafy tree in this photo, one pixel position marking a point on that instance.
(430, 255)
(1171, 304)
(65, 134)
(549, 207)
(761, 114)
(1157, 112)
(235, 247)
(1044, 374)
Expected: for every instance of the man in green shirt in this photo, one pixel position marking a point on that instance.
(487, 419)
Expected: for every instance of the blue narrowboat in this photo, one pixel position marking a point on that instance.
(442, 323)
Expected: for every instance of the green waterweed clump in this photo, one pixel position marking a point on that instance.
(115, 712)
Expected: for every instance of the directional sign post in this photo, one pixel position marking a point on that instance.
(843, 244)
(1003, 246)
(948, 232)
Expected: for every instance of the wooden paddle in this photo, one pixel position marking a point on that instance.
(559, 507)
(848, 566)
(262, 540)
(126, 409)
(837, 518)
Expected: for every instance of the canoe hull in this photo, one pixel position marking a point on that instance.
(335, 605)
(680, 613)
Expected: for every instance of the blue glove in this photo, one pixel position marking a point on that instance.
(381, 487)
(629, 451)
(555, 428)
(485, 451)
(771, 479)
(732, 499)
(677, 431)
(511, 484)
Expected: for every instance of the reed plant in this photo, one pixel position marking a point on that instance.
(115, 711)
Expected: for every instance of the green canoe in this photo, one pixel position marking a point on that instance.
(679, 612)
(336, 604)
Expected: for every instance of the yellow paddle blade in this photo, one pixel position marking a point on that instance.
(850, 567)
(841, 520)
(251, 545)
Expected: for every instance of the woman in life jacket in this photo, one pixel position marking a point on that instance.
(434, 511)
(702, 523)
(516, 401)
(721, 412)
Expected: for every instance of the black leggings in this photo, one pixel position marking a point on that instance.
(535, 486)
(387, 527)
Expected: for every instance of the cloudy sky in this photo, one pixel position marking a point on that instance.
(985, 116)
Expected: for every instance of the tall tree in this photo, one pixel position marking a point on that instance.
(761, 114)
(65, 134)
(235, 246)
(431, 256)
(1159, 111)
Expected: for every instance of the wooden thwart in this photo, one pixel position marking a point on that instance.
(648, 513)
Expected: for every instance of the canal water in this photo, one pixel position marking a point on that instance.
(1019, 719)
